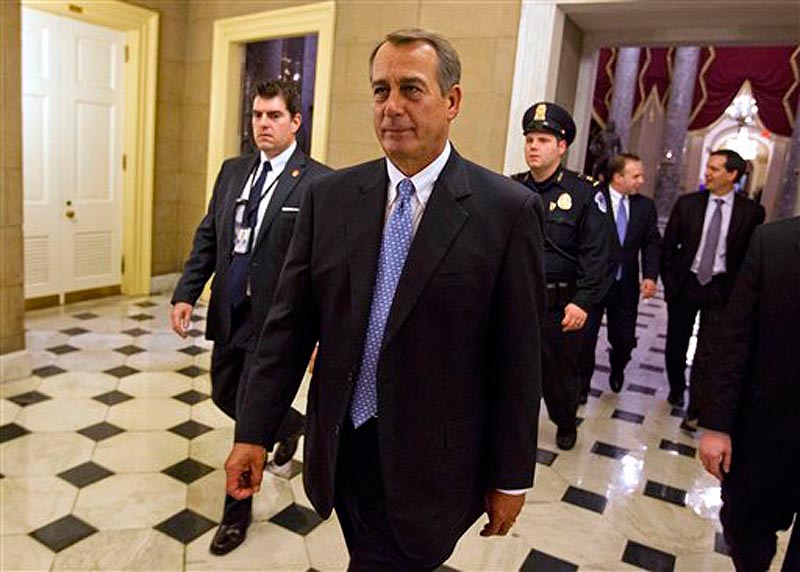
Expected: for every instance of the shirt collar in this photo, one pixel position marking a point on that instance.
(278, 163)
(616, 196)
(726, 199)
(423, 180)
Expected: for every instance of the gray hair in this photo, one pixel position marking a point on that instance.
(449, 66)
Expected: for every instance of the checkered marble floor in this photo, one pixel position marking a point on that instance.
(112, 454)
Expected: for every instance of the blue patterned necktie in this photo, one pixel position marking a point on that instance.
(705, 269)
(622, 228)
(396, 241)
(239, 268)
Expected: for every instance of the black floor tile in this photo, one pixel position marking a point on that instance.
(541, 562)
(297, 518)
(47, 371)
(665, 493)
(649, 367)
(85, 316)
(74, 331)
(129, 350)
(11, 431)
(190, 397)
(62, 349)
(608, 450)
(63, 533)
(594, 392)
(628, 416)
(720, 546)
(145, 304)
(194, 333)
(640, 325)
(647, 314)
(197, 318)
(112, 397)
(680, 448)
(135, 332)
(185, 526)
(585, 499)
(190, 429)
(656, 350)
(101, 431)
(602, 368)
(85, 474)
(141, 317)
(643, 389)
(193, 350)
(188, 471)
(662, 336)
(29, 398)
(545, 457)
(192, 371)
(648, 558)
(121, 371)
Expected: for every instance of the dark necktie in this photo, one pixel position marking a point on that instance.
(239, 269)
(705, 269)
(396, 241)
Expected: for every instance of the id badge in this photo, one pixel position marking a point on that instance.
(241, 243)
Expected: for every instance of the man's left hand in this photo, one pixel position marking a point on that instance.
(716, 452)
(574, 318)
(648, 288)
(503, 510)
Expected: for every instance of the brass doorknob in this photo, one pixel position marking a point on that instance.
(70, 214)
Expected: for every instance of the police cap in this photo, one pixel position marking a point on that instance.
(546, 116)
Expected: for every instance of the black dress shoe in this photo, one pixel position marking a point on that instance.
(676, 398)
(229, 535)
(689, 425)
(615, 380)
(565, 438)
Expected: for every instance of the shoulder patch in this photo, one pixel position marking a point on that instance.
(600, 199)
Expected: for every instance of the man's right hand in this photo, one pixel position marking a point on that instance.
(181, 318)
(716, 452)
(244, 469)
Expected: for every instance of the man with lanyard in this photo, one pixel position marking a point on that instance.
(243, 240)
(575, 261)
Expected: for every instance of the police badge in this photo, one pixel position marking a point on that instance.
(564, 202)
(600, 199)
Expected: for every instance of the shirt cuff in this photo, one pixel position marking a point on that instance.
(513, 491)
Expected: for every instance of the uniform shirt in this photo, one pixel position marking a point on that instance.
(423, 185)
(278, 164)
(727, 209)
(576, 232)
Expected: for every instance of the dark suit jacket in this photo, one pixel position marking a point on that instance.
(459, 372)
(684, 232)
(756, 375)
(641, 236)
(213, 240)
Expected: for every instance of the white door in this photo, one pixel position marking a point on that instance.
(72, 84)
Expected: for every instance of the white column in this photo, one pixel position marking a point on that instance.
(584, 101)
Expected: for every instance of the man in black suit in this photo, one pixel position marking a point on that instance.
(421, 275)
(634, 231)
(703, 248)
(752, 437)
(243, 240)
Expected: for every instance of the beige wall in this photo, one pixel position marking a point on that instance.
(12, 334)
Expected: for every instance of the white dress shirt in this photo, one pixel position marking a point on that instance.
(727, 209)
(278, 164)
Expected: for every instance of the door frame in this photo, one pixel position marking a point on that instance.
(141, 30)
(230, 37)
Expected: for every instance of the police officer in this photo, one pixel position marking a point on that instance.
(576, 257)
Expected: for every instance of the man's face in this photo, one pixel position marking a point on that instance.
(543, 151)
(631, 179)
(411, 115)
(274, 128)
(718, 179)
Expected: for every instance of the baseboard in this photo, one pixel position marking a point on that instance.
(15, 365)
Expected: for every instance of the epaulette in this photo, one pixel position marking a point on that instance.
(588, 178)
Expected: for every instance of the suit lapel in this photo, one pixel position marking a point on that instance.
(286, 182)
(737, 218)
(610, 215)
(441, 222)
(233, 190)
(365, 206)
(697, 215)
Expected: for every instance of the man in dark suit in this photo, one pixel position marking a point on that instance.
(243, 240)
(703, 248)
(421, 275)
(634, 231)
(752, 437)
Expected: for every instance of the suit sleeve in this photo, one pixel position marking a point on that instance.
(203, 259)
(651, 246)
(593, 253)
(518, 311)
(286, 342)
(733, 357)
